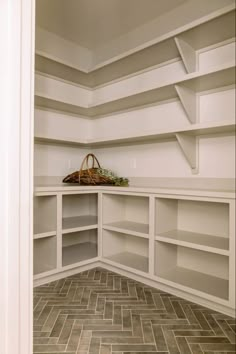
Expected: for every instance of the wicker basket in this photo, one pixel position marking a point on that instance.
(88, 175)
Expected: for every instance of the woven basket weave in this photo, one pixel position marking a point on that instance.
(88, 175)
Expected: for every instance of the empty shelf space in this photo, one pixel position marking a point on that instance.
(83, 222)
(78, 253)
(195, 269)
(134, 228)
(45, 254)
(126, 249)
(130, 260)
(193, 239)
(45, 216)
(79, 246)
(199, 281)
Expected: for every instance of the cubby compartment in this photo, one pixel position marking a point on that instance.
(127, 250)
(126, 213)
(45, 254)
(79, 246)
(198, 270)
(192, 223)
(45, 216)
(79, 212)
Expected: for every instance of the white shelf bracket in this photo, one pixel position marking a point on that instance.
(189, 146)
(188, 98)
(188, 55)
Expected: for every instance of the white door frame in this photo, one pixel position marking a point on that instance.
(16, 175)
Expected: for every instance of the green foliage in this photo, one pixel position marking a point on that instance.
(118, 181)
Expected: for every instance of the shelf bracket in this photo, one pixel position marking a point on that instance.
(188, 99)
(189, 145)
(188, 54)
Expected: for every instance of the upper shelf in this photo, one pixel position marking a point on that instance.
(193, 130)
(218, 30)
(145, 94)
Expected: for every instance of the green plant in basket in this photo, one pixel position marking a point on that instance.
(117, 181)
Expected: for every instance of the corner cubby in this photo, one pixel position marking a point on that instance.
(198, 270)
(79, 212)
(126, 213)
(78, 247)
(126, 250)
(45, 254)
(45, 216)
(192, 223)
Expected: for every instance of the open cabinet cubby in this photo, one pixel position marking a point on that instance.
(45, 254)
(79, 212)
(78, 246)
(202, 271)
(192, 223)
(45, 216)
(126, 213)
(129, 251)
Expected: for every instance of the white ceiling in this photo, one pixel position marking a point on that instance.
(91, 23)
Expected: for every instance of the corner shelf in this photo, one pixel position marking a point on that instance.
(79, 223)
(128, 227)
(195, 269)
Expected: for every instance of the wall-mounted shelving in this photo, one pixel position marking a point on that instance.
(45, 254)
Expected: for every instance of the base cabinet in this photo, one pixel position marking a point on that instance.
(185, 243)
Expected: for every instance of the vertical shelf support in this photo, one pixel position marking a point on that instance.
(188, 98)
(189, 146)
(188, 54)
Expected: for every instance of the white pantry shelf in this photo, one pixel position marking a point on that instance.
(199, 281)
(214, 78)
(44, 234)
(128, 227)
(79, 223)
(79, 252)
(130, 260)
(204, 242)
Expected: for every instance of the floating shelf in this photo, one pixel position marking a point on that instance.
(219, 245)
(129, 227)
(79, 223)
(199, 281)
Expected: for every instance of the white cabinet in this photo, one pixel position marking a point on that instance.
(182, 242)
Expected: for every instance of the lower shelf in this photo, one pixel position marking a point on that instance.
(45, 254)
(78, 253)
(198, 281)
(131, 260)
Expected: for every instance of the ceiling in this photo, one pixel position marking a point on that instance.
(91, 23)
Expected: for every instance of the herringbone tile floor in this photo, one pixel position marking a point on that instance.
(100, 312)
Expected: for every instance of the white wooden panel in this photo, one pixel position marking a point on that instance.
(143, 82)
(216, 56)
(62, 91)
(217, 106)
(51, 124)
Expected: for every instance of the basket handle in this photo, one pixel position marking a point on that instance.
(85, 164)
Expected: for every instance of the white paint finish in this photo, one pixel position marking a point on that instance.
(213, 57)
(188, 54)
(45, 254)
(217, 106)
(45, 214)
(188, 99)
(161, 76)
(62, 91)
(189, 147)
(50, 160)
(190, 14)
(163, 116)
(16, 39)
(79, 205)
(64, 51)
(49, 124)
(90, 23)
